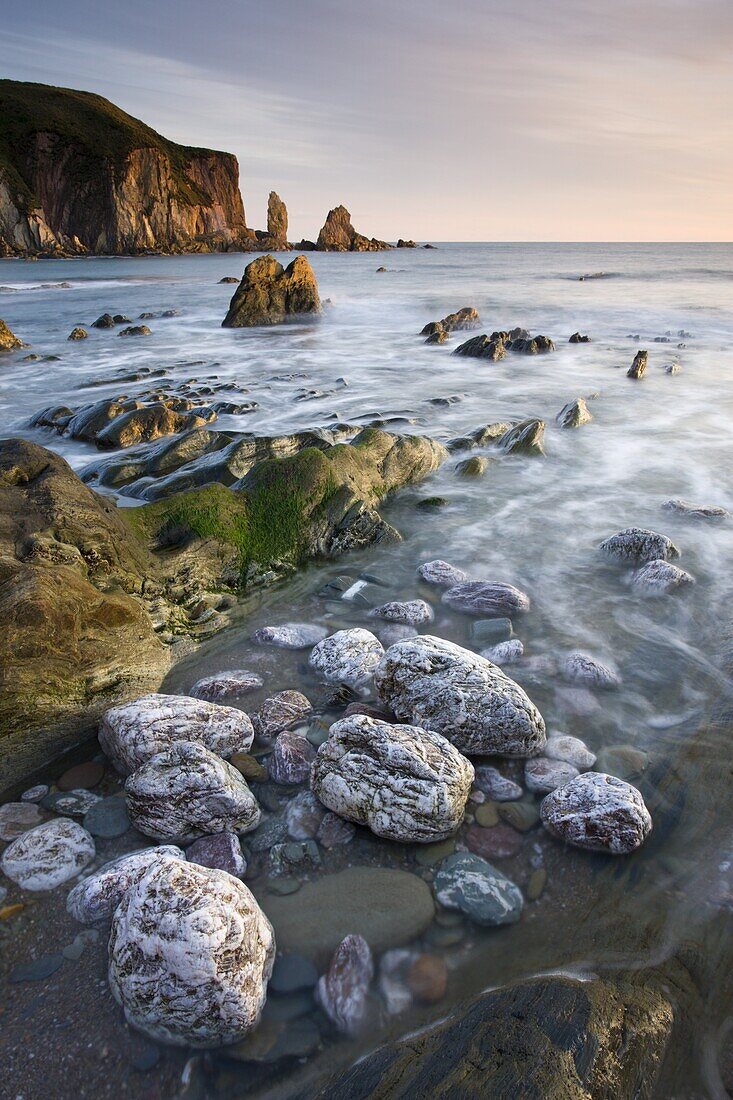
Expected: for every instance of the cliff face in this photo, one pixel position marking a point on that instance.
(78, 175)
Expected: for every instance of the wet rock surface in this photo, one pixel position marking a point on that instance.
(597, 812)
(97, 896)
(280, 712)
(403, 782)
(342, 991)
(636, 545)
(348, 656)
(48, 855)
(482, 598)
(226, 685)
(268, 293)
(441, 573)
(408, 612)
(467, 882)
(659, 578)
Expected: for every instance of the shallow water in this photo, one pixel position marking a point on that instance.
(529, 521)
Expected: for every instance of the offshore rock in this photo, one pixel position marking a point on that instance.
(347, 657)
(339, 235)
(659, 578)
(637, 545)
(695, 511)
(536, 345)
(8, 340)
(440, 686)
(465, 318)
(134, 732)
(482, 347)
(97, 897)
(526, 437)
(187, 792)
(268, 293)
(49, 855)
(494, 601)
(639, 365)
(597, 812)
(403, 782)
(277, 218)
(190, 955)
(574, 414)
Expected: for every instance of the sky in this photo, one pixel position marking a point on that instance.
(432, 119)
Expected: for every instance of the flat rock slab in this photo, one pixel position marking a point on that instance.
(387, 907)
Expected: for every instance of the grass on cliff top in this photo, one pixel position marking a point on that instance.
(98, 128)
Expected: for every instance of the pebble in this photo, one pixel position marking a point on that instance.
(290, 635)
(577, 700)
(280, 712)
(637, 545)
(74, 950)
(226, 685)
(487, 815)
(543, 775)
(291, 973)
(441, 573)
(624, 761)
(427, 855)
(333, 831)
(495, 785)
(71, 803)
(597, 812)
(523, 814)
(498, 842)
(48, 855)
(427, 979)
(390, 633)
(481, 598)
(491, 631)
(146, 1058)
(469, 883)
(107, 818)
(291, 758)
(37, 970)
(343, 990)
(17, 818)
(348, 656)
(82, 776)
(35, 794)
(222, 850)
(504, 653)
(294, 856)
(393, 967)
(536, 884)
(561, 746)
(272, 831)
(283, 886)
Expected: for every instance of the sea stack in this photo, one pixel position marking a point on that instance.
(268, 293)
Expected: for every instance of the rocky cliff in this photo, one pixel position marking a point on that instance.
(79, 175)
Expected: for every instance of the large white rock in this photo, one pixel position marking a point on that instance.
(443, 687)
(130, 734)
(347, 657)
(48, 855)
(95, 898)
(190, 955)
(187, 792)
(598, 812)
(636, 545)
(403, 782)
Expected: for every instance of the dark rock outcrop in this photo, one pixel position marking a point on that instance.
(639, 365)
(482, 347)
(339, 235)
(548, 1037)
(268, 293)
(79, 175)
(8, 340)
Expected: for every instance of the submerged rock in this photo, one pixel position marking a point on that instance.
(504, 653)
(495, 601)
(187, 792)
(48, 855)
(343, 990)
(581, 668)
(97, 897)
(574, 414)
(441, 573)
(696, 511)
(291, 758)
(659, 578)
(403, 782)
(497, 786)
(134, 732)
(348, 656)
(440, 686)
(597, 812)
(290, 635)
(220, 850)
(78, 333)
(226, 685)
(409, 612)
(190, 955)
(542, 774)
(561, 746)
(268, 293)
(17, 818)
(527, 437)
(467, 882)
(636, 545)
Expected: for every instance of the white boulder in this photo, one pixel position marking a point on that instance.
(45, 857)
(95, 898)
(347, 657)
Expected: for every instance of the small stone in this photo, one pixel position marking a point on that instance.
(272, 831)
(427, 979)
(294, 856)
(291, 758)
(82, 776)
(389, 633)
(505, 653)
(333, 831)
(441, 573)
(536, 884)
(499, 842)
(523, 814)
(303, 816)
(226, 685)
(491, 631)
(659, 578)
(343, 990)
(487, 815)
(348, 656)
(17, 818)
(624, 761)
(37, 970)
(597, 812)
(292, 973)
(280, 712)
(637, 545)
(467, 882)
(481, 598)
(250, 768)
(561, 746)
(48, 855)
(71, 803)
(410, 613)
(581, 668)
(495, 785)
(542, 775)
(107, 818)
(222, 850)
(74, 951)
(35, 794)
(290, 635)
